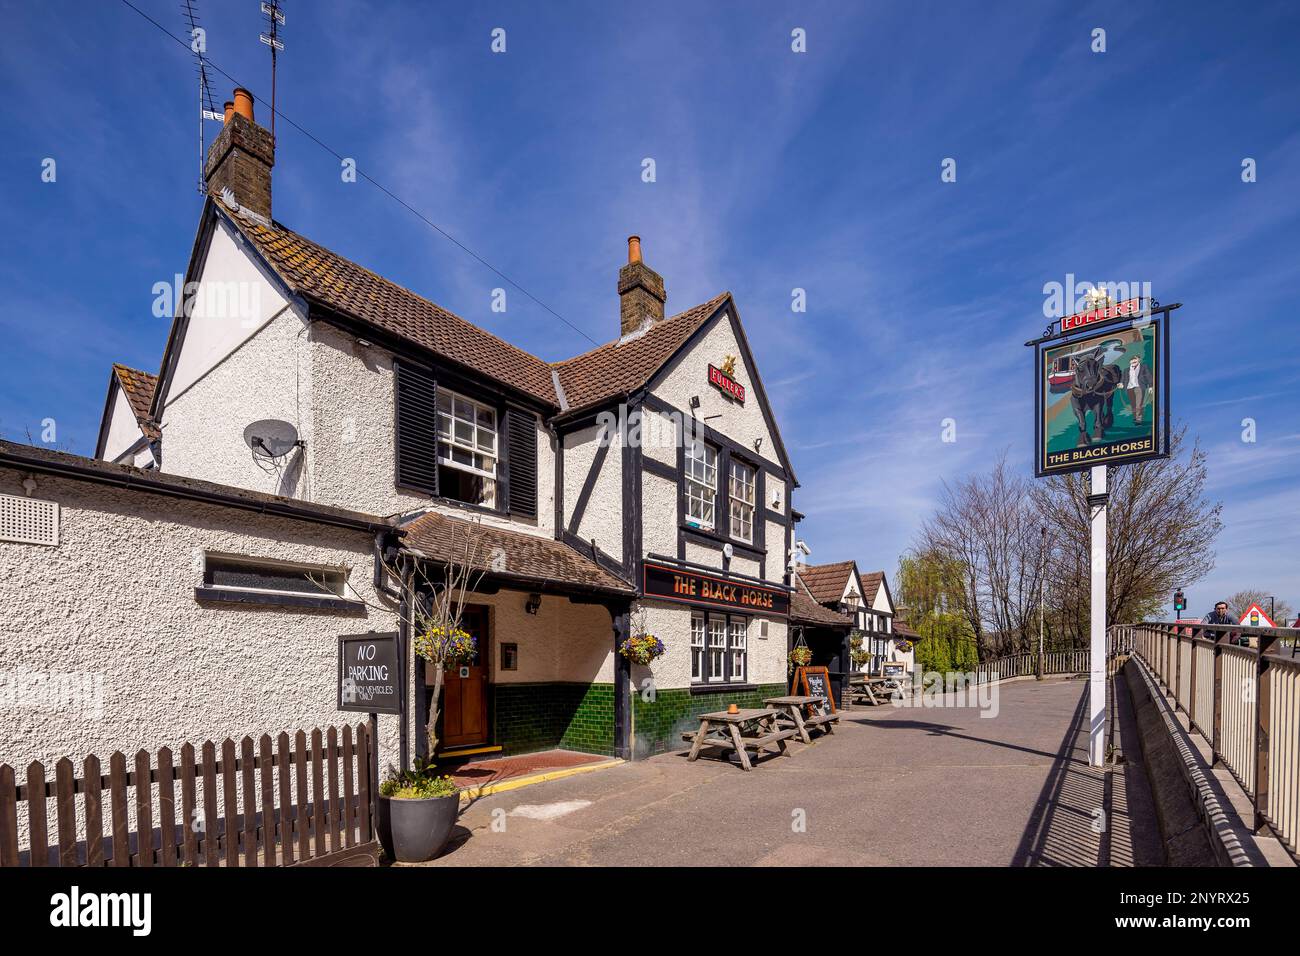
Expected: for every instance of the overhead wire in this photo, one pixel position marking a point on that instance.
(374, 182)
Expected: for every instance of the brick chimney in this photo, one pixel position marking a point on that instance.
(640, 290)
(241, 157)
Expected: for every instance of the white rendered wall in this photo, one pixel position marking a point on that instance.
(743, 424)
(563, 641)
(602, 520)
(123, 429)
(235, 298)
(269, 376)
(671, 623)
(115, 600)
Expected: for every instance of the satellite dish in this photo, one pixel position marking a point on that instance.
(271, 438)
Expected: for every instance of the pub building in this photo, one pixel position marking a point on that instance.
(325, 448)
(863, 601)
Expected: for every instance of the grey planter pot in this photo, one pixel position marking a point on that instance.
(419, 828)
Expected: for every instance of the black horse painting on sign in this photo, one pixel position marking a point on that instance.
(1101, 399)
(1093, 390)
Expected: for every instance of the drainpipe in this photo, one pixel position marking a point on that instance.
(382, 549)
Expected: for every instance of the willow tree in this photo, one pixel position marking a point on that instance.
(932, 595)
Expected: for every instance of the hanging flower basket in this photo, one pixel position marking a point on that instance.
(448, 645)
(642, 648)
(800, 656)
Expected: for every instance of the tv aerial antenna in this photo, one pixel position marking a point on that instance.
(274, 14)
(207, 107)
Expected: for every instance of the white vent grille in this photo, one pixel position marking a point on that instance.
(29, 520)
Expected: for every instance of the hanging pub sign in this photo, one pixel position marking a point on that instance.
(695, 587)
(370, 673)
(723, 381)
(1102, 398)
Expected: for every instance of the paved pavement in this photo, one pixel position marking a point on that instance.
(894, 786)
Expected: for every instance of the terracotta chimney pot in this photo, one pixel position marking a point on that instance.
(244, 103)
(230, 111)
(633, 248)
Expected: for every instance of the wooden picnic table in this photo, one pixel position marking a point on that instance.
(792, 708)
(861, 688)
(804, 713)
(723, 730)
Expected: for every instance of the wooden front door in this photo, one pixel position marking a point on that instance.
(465, 694)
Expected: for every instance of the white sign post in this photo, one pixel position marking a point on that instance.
(1097, 670)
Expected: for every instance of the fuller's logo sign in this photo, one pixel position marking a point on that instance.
(1115, 310)
(694, 587)
(726, 384)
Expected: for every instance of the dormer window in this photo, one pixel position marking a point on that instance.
(701, 484)
(467, 449)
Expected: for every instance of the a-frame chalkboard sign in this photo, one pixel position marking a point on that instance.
(816, 682)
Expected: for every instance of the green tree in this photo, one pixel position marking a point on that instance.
(930, 592)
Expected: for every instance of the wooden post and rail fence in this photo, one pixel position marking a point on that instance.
(263, 803)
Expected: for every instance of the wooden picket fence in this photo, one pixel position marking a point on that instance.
(233, 822)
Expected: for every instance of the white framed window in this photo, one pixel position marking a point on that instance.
(701, 483)
(697, 646)
(467, 449)
(717, 649)
(741, 494)
(737, 648)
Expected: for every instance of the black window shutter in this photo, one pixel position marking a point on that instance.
(416, 426)
(521, 435)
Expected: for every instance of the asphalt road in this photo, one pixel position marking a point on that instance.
(893, 786)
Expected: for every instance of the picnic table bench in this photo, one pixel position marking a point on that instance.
(873, 689)
(723, 730)
(791, 709)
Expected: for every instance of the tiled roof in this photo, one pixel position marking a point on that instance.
(902, 630)
(871, 584)
(826, 581)
(627, 364)
(138, 387)
(804, 610)
(531, 560)
(317, 273)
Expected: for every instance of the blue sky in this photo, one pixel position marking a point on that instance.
(775, 171)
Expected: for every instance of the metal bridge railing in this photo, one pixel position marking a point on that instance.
(1119, 644)
(1240, 687)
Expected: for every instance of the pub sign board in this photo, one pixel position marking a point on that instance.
(701, 589)
(1102, 398)
(370, 673)
(726, 384)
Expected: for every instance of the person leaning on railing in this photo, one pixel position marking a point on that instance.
(1220, 616)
